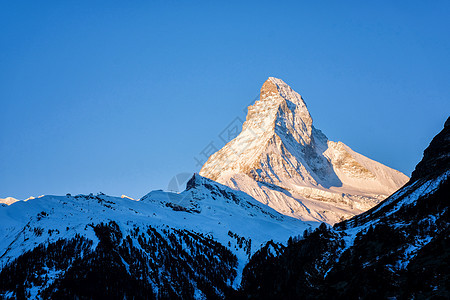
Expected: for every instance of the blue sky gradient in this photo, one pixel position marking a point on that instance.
(119, 97)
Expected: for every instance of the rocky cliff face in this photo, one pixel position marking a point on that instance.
(436, 157)
(282, 160)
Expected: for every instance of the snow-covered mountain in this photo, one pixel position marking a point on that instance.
(170, 245)
(283, 161)
(214, 240)
(399, 249)
(7, 201)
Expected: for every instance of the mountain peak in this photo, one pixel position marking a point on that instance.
(277, 85)
(280, 111)
(270, 87)
(8, 200)
(278, 90)
(282, 160)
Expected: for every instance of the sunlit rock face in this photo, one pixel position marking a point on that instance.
(283, 161)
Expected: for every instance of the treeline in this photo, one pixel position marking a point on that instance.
(143, 264)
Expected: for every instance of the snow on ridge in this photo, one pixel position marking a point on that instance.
(8, 200)
(410, 194)
(211, 209)
(406, 196)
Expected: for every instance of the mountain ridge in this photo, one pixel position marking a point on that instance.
(165, 245)
(213, 241)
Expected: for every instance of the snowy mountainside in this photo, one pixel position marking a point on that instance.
(398, 249)
(429, 175)
(282, 160)
(204, 219)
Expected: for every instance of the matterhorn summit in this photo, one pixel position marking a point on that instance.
(282, 160)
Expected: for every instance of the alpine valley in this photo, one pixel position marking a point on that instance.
(254, 223)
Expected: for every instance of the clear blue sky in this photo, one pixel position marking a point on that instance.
(119, 97)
